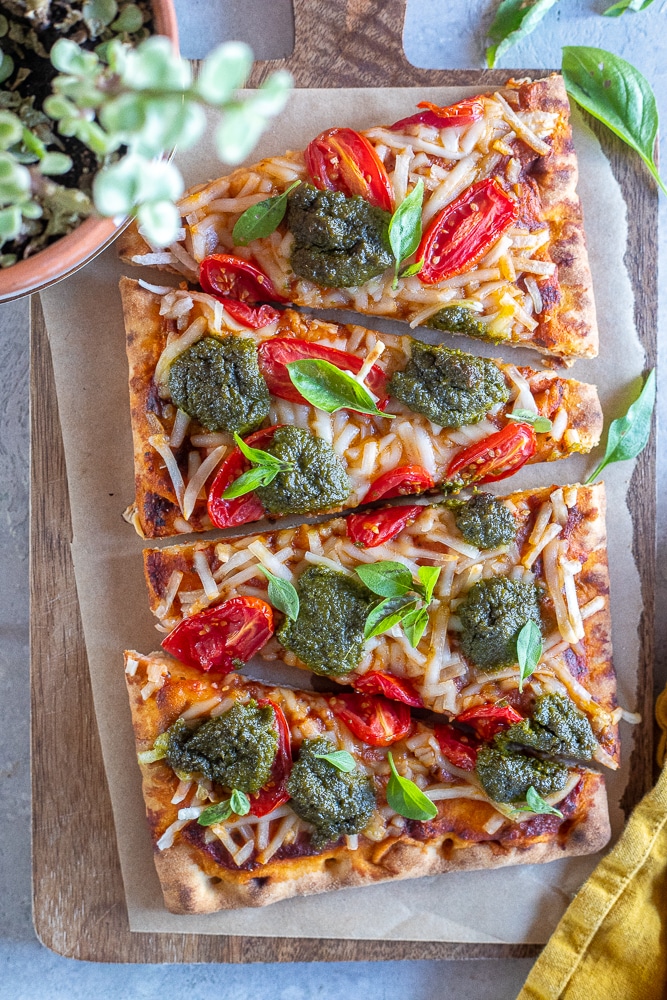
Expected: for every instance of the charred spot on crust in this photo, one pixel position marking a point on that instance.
(157, 509)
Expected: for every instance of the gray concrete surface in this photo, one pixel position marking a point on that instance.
(437, 35)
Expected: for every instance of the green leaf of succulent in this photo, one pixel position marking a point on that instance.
(223, 71)
(54, 164)
(405, 228)
(6, 66)
(10, 222)
(513, 21)
(14, 180)
(129, 20)
(116, 188)
(11, 129)
(239, 802)
(4, 25)
(67, 57)
(628, 435)
(619, 8)
(529, 650)
(271, 96)
(237, 133)
(282, 594)
(102, 11)
(154, 65)
(341, 760)
(330, 388)
(57, 107)
(428, 576)
(541, 424)
(392, 611)
(160, 221)
(406, 798)
(261, 219)
(536, 804)
(386, 578)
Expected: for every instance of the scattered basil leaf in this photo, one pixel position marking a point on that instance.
(282, 594)
(536, 804)
(405, 228)
(414, 626)
(341, 760)
(261, 219)
(513, 21)
(405, 798)
(541, 424)
(619, 8)
(528, 650)
(617, 94)
(429, 577)
(412, 269)
(216, 814)
(259, 475)
(239, 802)
(386, 614)
(628, 435)
(256, 455)
(330, 389)
(386, 578)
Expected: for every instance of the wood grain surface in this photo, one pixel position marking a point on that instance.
(78, 898)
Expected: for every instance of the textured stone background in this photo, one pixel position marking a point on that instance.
(437, 35)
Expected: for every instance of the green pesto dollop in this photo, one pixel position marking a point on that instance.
(458, 319)
(218, 383)
(492, 614)
(507, 776)
(328, 634)
(484, 521)
(339, 242)
(557, 727)
(449, 387)
(236, 749)
(316, 480)
(335, 803)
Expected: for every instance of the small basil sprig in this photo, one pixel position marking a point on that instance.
(528, 650)
(513, 21)
(541, 424)
(405, 231)
(340, 759)
(406, 798)
(282, 594)
(159, 750)
(238, 803)
(265, 468)
(261, 219)
(329, 388)
(536, 804)
(619, 8)
(405, 602)
(628, 435)
(617, 94)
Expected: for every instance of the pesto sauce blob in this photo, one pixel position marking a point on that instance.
(339, 242)
(328, 635)
(484, 521)
(335, 802)
(506, 776)
(219, 384)
(458, 319)
(236, 749)
(492, 614)
(317, 480)
(449, 387)
(556, 727)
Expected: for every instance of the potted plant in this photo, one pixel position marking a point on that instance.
(90, 99)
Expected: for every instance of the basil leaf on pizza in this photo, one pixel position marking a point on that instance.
(406, 798)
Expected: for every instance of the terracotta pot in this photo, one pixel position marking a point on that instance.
(71, 252)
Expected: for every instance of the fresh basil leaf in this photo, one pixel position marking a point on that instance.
(513, 21)
(617, 94)
(341, 760)
(628, 435)
(414, 626)
(429, 577)
(619, 8)
(239, 802)
(248, 481)
(412, 269)
(536, 804)
(405, 798)
(386, 614)
(541, 424)
(528, 650)
(261, 219)
(386, 578)
(216, 814)
(256, 455)
(405, 228)
(330, 389)
(282, 594)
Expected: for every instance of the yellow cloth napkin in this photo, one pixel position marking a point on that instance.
(611, 943)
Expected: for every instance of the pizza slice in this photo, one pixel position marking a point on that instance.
(464, 218)
(424, 604)
(257, 793)
(415, 415)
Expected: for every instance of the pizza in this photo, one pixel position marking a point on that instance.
(460, 579)
(257, 793)
(441, 416)
(498, 254)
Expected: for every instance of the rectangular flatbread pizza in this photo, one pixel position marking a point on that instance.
(257, 793)
(436, 416)
(464, 218)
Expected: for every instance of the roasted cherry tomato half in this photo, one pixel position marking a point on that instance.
(243, 509)
(216, 639)
(487, 720)
(240, 286)
(464, 230)
(378, 526)
(275, 354)
(495, 457)
(457, 747)
(341, 159)
(372, 719)
(394, 688)
(464, 113)
(274, 792)
(401, 482)
(254, 317)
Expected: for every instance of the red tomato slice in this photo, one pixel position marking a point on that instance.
(240, 510)
(341, 159)
(394, 688)
(401, 482)
(464, 113)
(374, 720)
(275, 354)
(254, 317)
(232, 279)
(378, 526)
(464, 230)
(457, 747)
(487, 720)
(217, 638)
(274, 793)
(495, 457)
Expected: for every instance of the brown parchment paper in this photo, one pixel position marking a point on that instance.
(85, 325)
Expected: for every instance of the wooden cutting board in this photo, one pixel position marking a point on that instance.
(78, 897)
